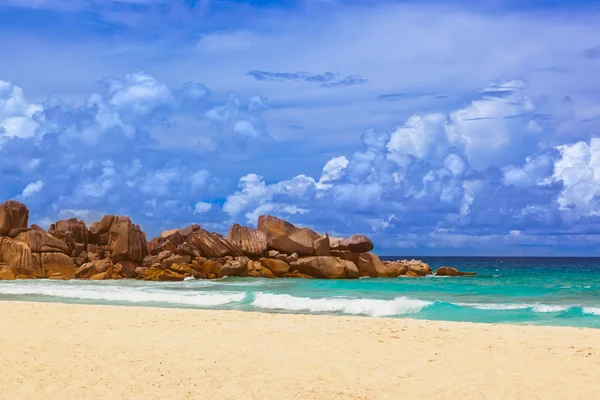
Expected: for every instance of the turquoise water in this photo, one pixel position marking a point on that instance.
(539, 291)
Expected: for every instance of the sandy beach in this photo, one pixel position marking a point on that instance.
(61, 351)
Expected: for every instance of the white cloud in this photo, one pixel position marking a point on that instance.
(32, 188)
(579, 171)
(202, 207)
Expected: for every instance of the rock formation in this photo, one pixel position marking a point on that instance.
(116, 248)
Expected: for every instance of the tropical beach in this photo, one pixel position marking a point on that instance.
(299, 199)
(64, 351)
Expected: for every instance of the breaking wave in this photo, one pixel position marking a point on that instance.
(126, 294)
(373, 307)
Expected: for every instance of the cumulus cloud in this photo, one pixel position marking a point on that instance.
(32, 188)
(202, 207)
(578, 169)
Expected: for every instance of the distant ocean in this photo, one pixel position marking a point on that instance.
(537, 291)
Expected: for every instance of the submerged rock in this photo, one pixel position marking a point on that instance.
(451, 271)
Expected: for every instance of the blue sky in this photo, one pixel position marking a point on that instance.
(436, 128)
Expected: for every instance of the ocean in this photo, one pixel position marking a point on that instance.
(524, 291)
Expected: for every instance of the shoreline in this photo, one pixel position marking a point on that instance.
(298, 313)
(71, 351)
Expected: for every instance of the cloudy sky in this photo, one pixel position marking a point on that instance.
(436, 128)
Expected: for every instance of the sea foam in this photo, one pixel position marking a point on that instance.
(373, 307)
(591, 310)
(126, 294)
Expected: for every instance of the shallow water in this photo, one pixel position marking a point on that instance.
(540, 291)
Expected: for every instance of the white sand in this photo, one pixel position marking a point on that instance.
(58, 351)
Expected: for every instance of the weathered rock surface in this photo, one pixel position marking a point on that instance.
(58, 263)
(212, 245)
(287, 238)
(257, 270)
(321, 246)
(103, 226)
(13, 215)
(42, 242)
(355, 243)
(277, 267)
(70, 231)
(369, 264)
(90, 269)
(451, 271)
(250, 241)
(127, 241)
(236, 267)
(17, 257)
(326, 267)
(418, 267)
(162, 243)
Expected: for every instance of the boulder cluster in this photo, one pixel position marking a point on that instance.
(115, 248)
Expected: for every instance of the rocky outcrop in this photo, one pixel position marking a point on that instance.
(326, 267)
(13, 215)
(115, 248)
(250, 241)
(451, 271)
(287, 238)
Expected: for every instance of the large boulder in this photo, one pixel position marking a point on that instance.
(127, 241)
(451, 271)
(169, 242)
(277, 267)
(70, 231)
(17, 257)
(103, 226)
(369, 264)
(399, 267)
(250, 241)
(212, 245)
(326, 267)
(151, 274)
(418, 267)
(235, 267)
(287, 238)
(13, 215)
(42, 242)
(355, 244)
(90, 269)
(257, 270)
(321, 246)
(58, 263)
(6, 273)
